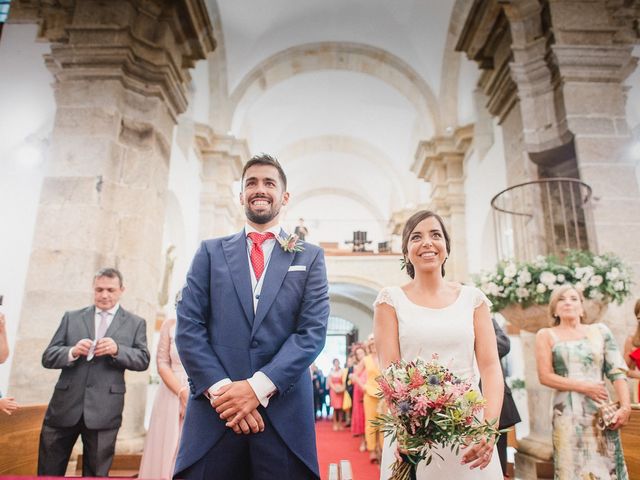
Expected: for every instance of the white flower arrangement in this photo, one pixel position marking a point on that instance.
(600, 277)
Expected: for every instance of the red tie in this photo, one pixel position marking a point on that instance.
(257, 256)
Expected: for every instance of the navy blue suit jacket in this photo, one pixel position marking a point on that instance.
(218, 336)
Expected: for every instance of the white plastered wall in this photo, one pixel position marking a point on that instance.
(28, 107)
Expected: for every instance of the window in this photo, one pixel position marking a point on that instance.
(4, 10)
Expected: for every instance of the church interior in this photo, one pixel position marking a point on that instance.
(126, 124)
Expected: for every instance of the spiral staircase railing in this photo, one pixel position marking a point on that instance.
(543, 217)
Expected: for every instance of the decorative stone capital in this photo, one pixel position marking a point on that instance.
(222, 157)
(220, 149)
(440, 161)
(147, 45)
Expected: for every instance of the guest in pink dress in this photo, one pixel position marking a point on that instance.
(359, 378)
(336, 394)
(161, 444)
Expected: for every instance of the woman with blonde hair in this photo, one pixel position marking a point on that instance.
(632, 349)
(573, 358)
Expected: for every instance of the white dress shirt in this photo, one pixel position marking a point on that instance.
(262, 385)
(96, 322)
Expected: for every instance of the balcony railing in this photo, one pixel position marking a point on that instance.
(542, 217)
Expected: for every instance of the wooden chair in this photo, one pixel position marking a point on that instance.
(125, 465)
(384, 247)
(19, 440)
(359, 241)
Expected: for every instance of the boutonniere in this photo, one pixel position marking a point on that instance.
(290, 243)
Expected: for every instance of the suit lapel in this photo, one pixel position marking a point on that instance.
(116, 323)
(88, 318)
(235, 251)
(276, 271)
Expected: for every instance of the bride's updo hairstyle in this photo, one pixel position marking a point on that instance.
(411, 224)
(555, 297)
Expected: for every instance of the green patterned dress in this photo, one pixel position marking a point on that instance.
(580, 450)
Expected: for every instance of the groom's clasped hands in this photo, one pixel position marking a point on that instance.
(237, 404)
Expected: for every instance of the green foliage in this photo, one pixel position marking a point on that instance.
(600, 277)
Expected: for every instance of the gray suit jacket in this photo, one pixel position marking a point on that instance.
(93, 389)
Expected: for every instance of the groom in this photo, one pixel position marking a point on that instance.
(252, 318)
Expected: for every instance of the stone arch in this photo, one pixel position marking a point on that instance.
(348, 56)
(295, 152)
(353, 301)
(358, 198)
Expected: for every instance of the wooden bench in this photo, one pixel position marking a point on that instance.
(19, 440)
(125, 465)
(630, 435)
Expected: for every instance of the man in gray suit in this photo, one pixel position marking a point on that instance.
(93, 347)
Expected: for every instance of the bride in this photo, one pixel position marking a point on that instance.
(431, 315)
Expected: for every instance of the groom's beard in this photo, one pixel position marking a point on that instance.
(260, 218)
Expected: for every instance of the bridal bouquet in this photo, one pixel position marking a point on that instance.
(429, 406)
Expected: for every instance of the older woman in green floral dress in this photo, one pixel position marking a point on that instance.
(573, 358)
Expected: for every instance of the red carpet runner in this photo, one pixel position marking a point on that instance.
(336, 446)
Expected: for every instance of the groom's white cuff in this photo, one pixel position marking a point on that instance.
(216, 386)
(263, 387)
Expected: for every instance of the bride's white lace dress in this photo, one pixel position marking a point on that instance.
(449, 333)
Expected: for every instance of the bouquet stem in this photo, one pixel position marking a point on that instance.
(403, 471)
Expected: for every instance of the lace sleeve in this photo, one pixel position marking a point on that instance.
(479, 298)
(384, 297)
(163, 355)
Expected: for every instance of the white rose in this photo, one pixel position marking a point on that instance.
(524, 277)
(540, 288)
(618, 286)
(510, 271)
(560, 278)
(547, 278)
(613, 274)
(522, 292)
(596, 280)
(596, 295)
(507, 280)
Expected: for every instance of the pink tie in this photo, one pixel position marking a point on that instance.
(256, 255)
(102, 326)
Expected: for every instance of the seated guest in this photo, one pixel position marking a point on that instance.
(161, 445)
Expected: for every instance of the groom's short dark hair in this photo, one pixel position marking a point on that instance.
(265, 159)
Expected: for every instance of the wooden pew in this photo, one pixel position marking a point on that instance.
(19, 439)
(630, 435)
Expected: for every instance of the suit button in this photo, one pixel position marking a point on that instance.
(254, 344)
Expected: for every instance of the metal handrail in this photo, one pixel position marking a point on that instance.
(541, 217)
(532, 182)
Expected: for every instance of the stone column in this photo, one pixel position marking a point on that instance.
(440, 162)
(560, 66)
(593, 54)
(222, 158)
(120, 80)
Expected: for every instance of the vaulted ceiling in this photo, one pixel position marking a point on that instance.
(342, 91)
